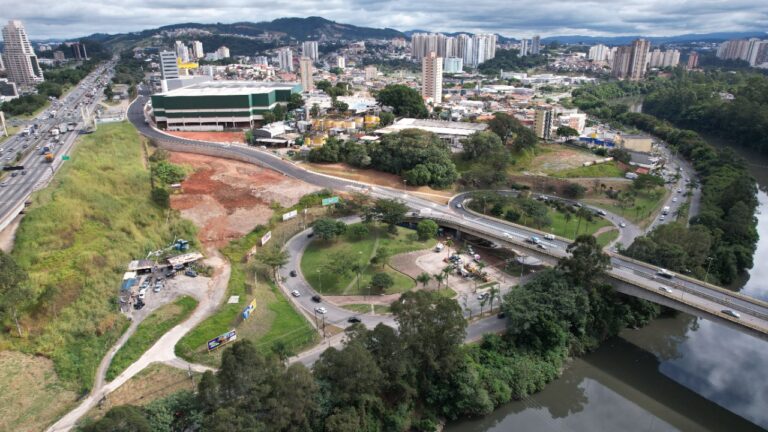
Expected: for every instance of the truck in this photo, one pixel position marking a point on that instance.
(48, 157)
(54, 132)
(665, 210)
(71, 126)
(63, 128)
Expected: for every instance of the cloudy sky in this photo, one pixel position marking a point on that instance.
(71, 18)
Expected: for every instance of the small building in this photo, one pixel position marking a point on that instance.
(635, 143)
(184, 258)
(453, 133)
(141, 266)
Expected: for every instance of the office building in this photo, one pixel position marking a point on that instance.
(20, 60)
(432, 78)
(219, 105)
(309, 49)
(598, 53)
(341, 63)
(306, 70)
(78, 51)
(285, 58)
(693, 60)
(542, 123)
(536, 45)
(197, 49)
(223, 52)
(169, 66)
(371, 73)
(453, 65)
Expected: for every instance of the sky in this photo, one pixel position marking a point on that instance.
(515, 18)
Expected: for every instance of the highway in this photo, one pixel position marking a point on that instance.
(701, 295)
(15, 190)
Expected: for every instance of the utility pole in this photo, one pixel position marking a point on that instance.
(709, 259)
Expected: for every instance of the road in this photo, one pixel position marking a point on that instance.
(15, 190)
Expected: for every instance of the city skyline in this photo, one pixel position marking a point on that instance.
(55, 20)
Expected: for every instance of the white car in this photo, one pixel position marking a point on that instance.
(732, 313)
(321, 310)
(665, 289)
(295, 293)
(674, 199)
(542, 246)
(507, 235)
(549, 236)
(623, 225)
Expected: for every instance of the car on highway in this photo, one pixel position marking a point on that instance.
(354, 320)
(602, 213)
(321, 310)
(14, 174)
(549, 236)
(293, 273)
(295, 293)
(665, 289)
(665, 273)
(731, 313)
(4, 184)
(623, 225)
(458, 205)
(507, 235)
(674, 199)
(316, 298)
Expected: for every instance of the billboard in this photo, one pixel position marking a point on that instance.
(290, 215)
(249, 309)
(266, 238)
(331, 200)
(222, 340)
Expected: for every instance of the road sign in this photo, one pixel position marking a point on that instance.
(266, 238)
(222, 340)
(64, 157)
(331, 200)
(290, 215)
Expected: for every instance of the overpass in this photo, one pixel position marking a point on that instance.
(628, 276)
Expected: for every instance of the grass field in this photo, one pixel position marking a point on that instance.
(646, 204)
(274, 319)
(563, 228)
(319, 253)
(149, 331)
(366, 308)
(607, 237)
(75, 242)
(608, 169)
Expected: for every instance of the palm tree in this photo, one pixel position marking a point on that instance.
(440, 278)
(492, 293)
(568, 216)
(424, 279)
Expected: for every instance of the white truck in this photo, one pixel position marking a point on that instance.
(665, 210)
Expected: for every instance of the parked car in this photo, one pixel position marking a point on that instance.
(190, 273)
(501, 315)
(310, 235)
(138, 305)
(295, 293)
(354, 320)
(482, 296)
(602, 213)
(316, 298)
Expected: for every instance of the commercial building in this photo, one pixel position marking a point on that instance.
(536, 45)
(542, 123)
(432, 78)
(20, 60)
(218, 105)
(306, 70)
(453, 65)
(169, 66)
(285, 59)
(309, 49)
(452, 133)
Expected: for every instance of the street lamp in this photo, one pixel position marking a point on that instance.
(709, 259)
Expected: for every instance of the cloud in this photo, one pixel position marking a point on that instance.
(518, 18)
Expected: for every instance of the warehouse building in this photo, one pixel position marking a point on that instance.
(219, 105)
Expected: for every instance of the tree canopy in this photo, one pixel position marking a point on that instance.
(405, 101)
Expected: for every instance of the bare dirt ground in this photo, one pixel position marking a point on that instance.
(222, 137)
(379, 178)
(558, 158)
(227, 199)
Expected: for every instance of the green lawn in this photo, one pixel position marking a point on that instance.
(646, 204)
(149, 331)
(274, 319)
(607, 237)
(75, 242)
(318, 254)
(365, 308)
(608, 169)
(563, 228)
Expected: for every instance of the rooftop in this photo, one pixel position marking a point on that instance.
(228, 88)
(439, 127)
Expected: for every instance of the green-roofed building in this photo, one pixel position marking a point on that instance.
(219, 105)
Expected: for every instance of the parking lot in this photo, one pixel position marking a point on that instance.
(159, 289)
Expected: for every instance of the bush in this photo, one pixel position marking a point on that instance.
(427, 229)
(161, 197)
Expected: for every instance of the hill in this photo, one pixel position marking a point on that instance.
(655, 40)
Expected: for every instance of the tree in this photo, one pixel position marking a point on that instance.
(274, 258)
(427, 229)
(647, 181)
(389, 211)
(574, 190)
(340, 106)
(381, 281)
(386, 118)
(586, 262)
(566, 132)
(351, 376)
(327, 228)
(423, 278)
(405, 101)
(510, 130)
(268, 117)
(357, 232)
(315, 110)
(279, 112)
(161, 197)
(108, 93)
(382, 256)
(481, 145)
(439, 278)
(324, 85)
(620, 155)
(15, 291)
(295, 101)
(123, 418)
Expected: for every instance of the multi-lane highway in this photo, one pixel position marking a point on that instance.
(711, 300)
(16, 189)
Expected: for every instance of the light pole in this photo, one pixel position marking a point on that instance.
(709, 259)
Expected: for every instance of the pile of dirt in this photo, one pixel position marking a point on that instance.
(227, 199)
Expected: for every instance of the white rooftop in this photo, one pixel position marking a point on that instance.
(439, 127)
(229, 88)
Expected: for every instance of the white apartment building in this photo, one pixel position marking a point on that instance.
(309, 49)
(19, 58)
(285, 58)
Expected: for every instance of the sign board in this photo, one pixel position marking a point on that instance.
(266, 238)
(222, 340)
(331, 200)
(64, 157)
(290, 215)
(249, 309)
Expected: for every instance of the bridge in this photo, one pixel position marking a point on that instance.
(628, 276)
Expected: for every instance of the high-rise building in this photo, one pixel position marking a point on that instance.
(341, 62)
(285, 58)
(261, 60)
(309, 49)
(453, 65)
(223, 52)
(78, 51)
(536, 45)
(305, 70)
(542, 123)
(621, 62)
(660, 59)
(432, 78)
(733, 49)
(693, 60)
(197, 49)
(598, 53)
(370, 73)
(753, 51)
(464, 48)
(169, 66)
(182, 51)
(524, 47)
(2, 65)
(58, 55)
(639, 60)
(20, 60)
(473, 50)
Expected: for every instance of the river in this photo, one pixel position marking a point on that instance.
(678, 373)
